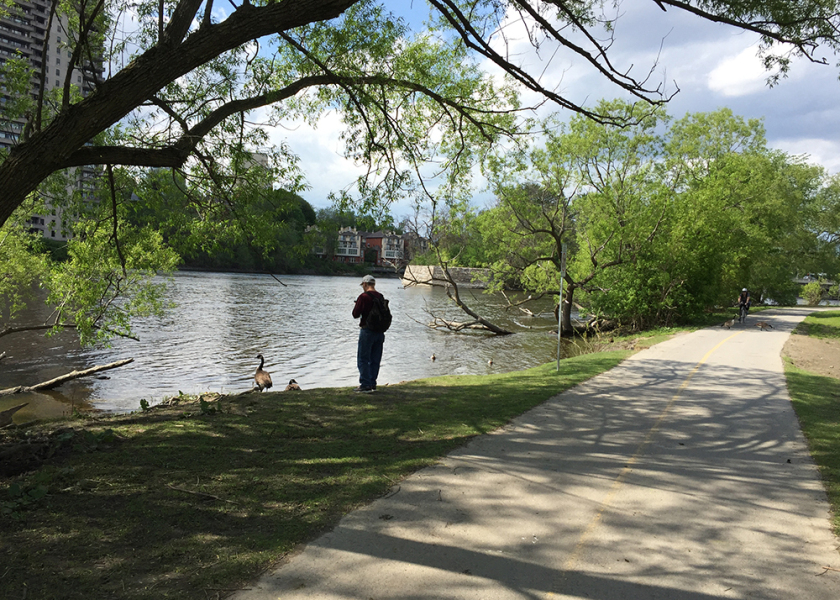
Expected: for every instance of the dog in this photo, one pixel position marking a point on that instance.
(764, 325)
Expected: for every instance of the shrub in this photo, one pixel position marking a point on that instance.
(812, 293)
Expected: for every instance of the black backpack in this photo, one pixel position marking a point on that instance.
(379, 317)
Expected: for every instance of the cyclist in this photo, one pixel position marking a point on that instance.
(743, 305)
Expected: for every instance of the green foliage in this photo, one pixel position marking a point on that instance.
(16, 73)
(592, 187)
(104, 268)
(206, 408)
(23, 264)
(20, 498)
(812, 293)
(90, 441)
(662, 222)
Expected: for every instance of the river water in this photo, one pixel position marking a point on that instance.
(304, 328)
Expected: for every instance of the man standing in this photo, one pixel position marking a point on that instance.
(369, 353)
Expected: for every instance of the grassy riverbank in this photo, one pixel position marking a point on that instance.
(195, 499)
(816, 399)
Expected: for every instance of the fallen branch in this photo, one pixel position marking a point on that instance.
(53, 383)
(202, 494)
(478, 322)
(277, 280)
(440, 322)
(519, 303)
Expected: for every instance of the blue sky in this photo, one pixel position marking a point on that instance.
(714, 66)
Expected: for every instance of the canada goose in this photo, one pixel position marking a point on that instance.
(728, 323)
(293, 385)
(6, 415)
(262, 378)
(764, 325)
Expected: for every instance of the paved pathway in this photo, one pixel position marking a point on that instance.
(681, 474)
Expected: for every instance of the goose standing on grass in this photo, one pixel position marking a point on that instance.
(293, 385)
(262, 378)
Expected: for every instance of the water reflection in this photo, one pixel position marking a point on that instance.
(304, 329)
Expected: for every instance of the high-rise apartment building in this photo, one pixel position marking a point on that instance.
(23, 33)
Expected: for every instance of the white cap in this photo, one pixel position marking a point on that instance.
(744, 290)
(368, 279)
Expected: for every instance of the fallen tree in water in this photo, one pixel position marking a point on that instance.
(53, 383)
(477, 323)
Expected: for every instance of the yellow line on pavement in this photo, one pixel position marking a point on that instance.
(619, 480)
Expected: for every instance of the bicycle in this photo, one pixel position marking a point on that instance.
(742, 315)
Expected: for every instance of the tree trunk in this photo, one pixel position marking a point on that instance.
(566, 323)
(565, 317)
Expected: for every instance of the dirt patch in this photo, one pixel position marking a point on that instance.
(820, 356)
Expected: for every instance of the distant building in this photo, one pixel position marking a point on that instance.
(349, 247)
(384, 249)
(23, 34)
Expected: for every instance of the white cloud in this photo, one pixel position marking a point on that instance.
(818, 151)
(739, 75)
(321, 156)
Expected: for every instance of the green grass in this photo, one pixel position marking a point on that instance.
(183, 503)
(816, 399)
(824, 325)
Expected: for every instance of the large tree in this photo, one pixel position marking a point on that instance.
(591, 187)
(731, 214)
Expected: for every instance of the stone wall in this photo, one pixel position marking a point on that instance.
(433, 275)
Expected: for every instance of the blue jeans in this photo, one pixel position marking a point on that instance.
(368, 356)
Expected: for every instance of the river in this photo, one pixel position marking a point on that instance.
(304, 328)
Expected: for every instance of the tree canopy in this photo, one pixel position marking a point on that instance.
(178, 87)
(662, 220)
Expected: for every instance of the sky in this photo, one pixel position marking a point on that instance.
(714, 65)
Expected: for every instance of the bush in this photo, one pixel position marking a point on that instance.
(812, 293)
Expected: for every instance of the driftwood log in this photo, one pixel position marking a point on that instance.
(53, 383)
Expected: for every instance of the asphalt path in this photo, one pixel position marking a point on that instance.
(681, 474)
